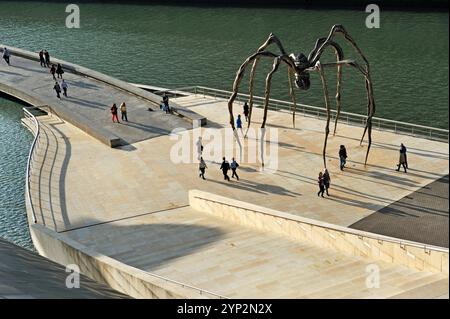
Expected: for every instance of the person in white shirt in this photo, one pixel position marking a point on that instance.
(64, 87)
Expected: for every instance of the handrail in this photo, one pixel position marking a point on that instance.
(36, 133)
(432, 133)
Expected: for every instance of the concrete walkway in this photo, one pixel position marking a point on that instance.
(88, 103)
(131, 202)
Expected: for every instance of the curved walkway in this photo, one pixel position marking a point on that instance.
(89, 101)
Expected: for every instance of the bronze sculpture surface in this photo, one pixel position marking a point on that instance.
(299, 68)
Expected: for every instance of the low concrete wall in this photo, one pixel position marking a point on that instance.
(346, 240)
(126, 279)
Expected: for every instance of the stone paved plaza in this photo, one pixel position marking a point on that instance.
(131, 203)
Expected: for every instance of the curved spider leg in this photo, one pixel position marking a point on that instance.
(292, 94)
(327, 105)
(338, 97)
(237, 80)
(366, 71)
(276, 64)
(272, 39)
(322, 43)
(371, 112)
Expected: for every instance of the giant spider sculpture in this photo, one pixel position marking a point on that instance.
(299, 67)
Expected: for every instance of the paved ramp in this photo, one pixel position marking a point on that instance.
(88, 103)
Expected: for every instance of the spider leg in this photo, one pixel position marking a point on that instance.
(276, 64)
(322, 43)
(338, 97)
(292, 93)
(327, 105)
(237, 81)
(366, 71)
(272, 39)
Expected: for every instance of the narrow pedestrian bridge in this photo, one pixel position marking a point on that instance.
(90, 97)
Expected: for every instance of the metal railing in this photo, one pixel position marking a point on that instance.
(33, 124)
(432, 133)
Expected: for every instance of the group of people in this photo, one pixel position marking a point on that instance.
(60, 87)
(123, 111)
(224, 167)
(324, 177)
(44, 58)
(239, 119)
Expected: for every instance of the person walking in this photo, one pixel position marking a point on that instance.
(47, 58)
(123, 111)
(64, 86)
(326, 180)
(59, 71)
(225, 168)
(402, 161)
(201, 167)
(57, 88)
(114, 113)
(41, 58)
(6, 55)
(53, 71)
(234, 165)
(199, 145)
(321, 185)
(166, 107)
(246, 111)
(342, 157)
(239, 123)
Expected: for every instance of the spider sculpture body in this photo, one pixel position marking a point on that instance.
(299, 68)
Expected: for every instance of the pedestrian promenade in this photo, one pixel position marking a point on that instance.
(88, 103)
(130, 203)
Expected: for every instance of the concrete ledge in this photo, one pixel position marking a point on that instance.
(126, 279)
(97, 132)
(346, 240)
(189, 115)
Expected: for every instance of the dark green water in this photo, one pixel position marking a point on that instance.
(182, 46)
(15, 142)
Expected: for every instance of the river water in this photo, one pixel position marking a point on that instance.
(175, 46)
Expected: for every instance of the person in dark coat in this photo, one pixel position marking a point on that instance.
(47, 58)
(201, 167)
(53, 71)
(321, 185)
(234, 165)
(6, 55)
(225, 167)
(326, 180)
(42, 59)
(342, 157)
(402, 161)
(246, 111)
(57, 88)
(59, 71)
